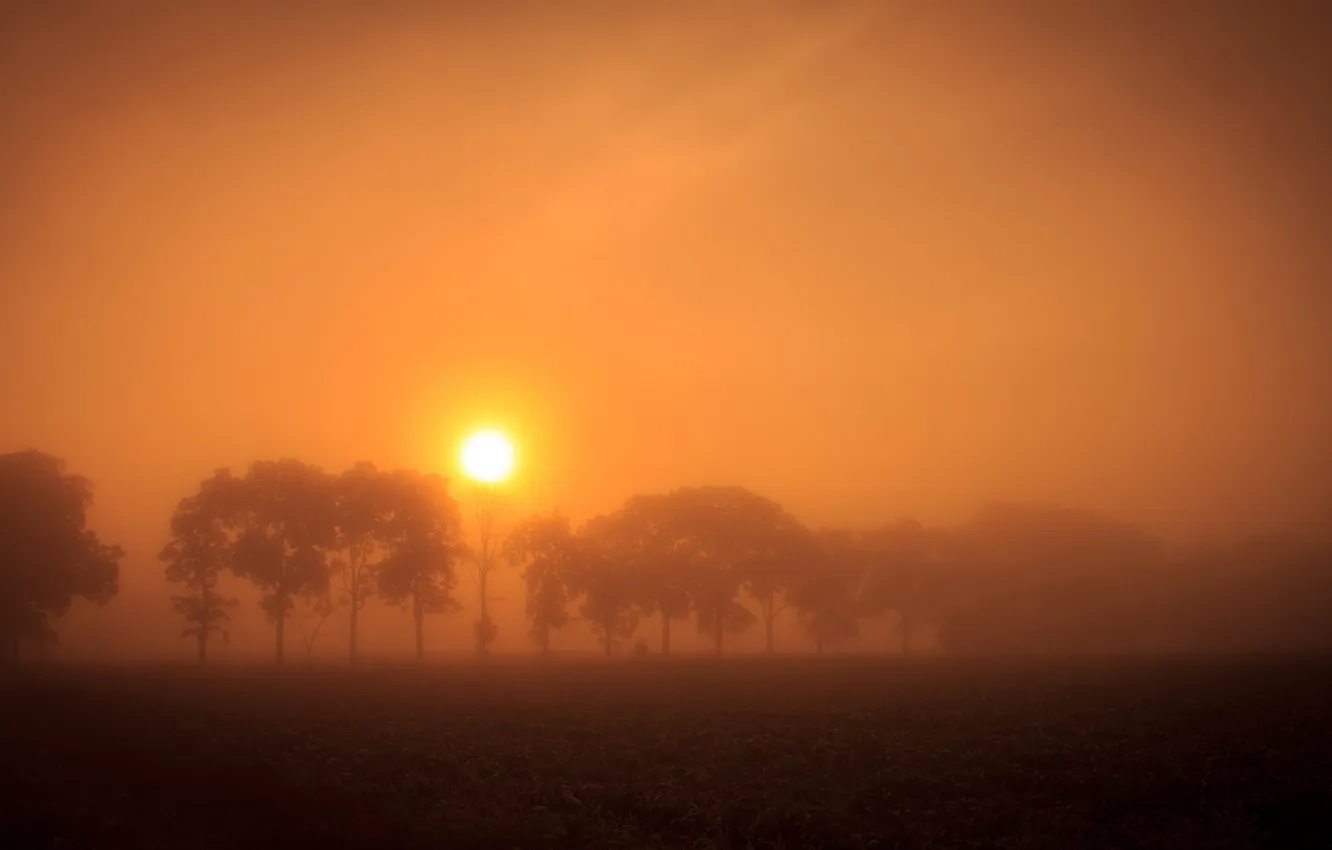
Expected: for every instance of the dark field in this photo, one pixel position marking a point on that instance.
(693, 753)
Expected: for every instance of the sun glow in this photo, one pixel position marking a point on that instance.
(487, 456)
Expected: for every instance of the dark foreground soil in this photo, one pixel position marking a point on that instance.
(693, 753)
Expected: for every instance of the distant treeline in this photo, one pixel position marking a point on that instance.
(1014, 579)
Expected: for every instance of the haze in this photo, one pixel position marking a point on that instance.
(872, 261)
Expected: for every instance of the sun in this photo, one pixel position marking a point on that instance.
(487, 456)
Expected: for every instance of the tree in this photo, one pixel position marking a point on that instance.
(823, 594)
(314, 613)
(47, 554)
(658, 556)
(423, 540)
(486, 508)
(607, 586)
(547, 550)
(364, 506)
(608, 604)
(735, 537)
(902, 574)
(281, 522)
(1042, 579)
(195, 556)
(775, 548)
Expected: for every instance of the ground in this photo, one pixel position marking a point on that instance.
(836, 752)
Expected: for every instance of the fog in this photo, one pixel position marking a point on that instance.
(871, 261)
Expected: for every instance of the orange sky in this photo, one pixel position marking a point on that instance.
(868, 260)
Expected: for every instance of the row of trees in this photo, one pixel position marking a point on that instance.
(1012, 579)
(302, 536)
(330, 543)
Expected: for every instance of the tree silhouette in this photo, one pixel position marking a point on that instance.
(424, 545)
(741, 540)
(645, 538)
(735, 535)
(1040, 579)
(363, 505)
(195, 557)
(313, 614)
(824, 592)
(547, 550)
(486, 507)
(47, 554)
(608, 587)
(904, 560)
(280, 519)
(775, 550)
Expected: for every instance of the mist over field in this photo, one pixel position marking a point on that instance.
(871, 261)
(736, 424)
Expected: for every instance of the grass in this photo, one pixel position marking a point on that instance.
(777, 753)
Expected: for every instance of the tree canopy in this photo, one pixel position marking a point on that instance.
(424, 541)
(48, 556)
(195, 557)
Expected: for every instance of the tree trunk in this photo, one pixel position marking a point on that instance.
(818, 643)
(355, 563)
(281, 626)
(905, 628)
(203, 646)
(355, 615)
(718, 631)
(419, 615)
(665, 634)
(608, 641)
(483, 633)
(767, 623)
